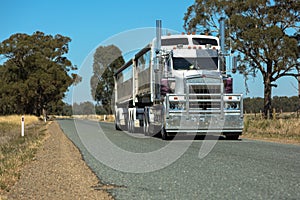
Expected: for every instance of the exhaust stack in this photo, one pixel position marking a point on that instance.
(158, 36)
(222, 35)
(223, 50)
(157, 70)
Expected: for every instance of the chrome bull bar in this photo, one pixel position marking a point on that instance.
(204, 112)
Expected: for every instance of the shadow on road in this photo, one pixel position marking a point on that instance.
(196, 137)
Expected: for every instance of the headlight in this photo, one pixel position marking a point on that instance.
(177, 106)
(231, 106)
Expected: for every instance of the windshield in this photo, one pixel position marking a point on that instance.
(174, 41)
(204, 63)
(204, 41)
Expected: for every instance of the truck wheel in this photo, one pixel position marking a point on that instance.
(132, 129)
(145, 126)
(117, 127)
(164, 134)
(232, 136)
(129, 125)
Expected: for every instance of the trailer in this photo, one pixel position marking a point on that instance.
(178, 84)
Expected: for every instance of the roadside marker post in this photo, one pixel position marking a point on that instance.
(22, 126)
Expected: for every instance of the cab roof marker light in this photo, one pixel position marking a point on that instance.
(180, 46)
(208, 46)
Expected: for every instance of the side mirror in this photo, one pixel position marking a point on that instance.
(223, 65)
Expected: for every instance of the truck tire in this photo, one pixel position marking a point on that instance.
(232, 136)
(129, 126)
(164, 134)
(145, 126)
(117, 127)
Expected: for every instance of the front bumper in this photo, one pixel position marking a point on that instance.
(196, 123)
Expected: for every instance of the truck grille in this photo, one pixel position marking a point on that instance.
(205, 96)
(204, 89)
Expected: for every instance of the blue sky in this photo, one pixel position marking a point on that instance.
(90, 23)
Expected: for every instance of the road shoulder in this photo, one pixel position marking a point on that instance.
(57, 172)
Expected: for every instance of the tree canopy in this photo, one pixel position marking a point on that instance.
(107, 59)
(83, 108)
(35, 73)
(262, 32)
(284, 104)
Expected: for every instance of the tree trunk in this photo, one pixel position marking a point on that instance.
(267, 97)
(299, 83)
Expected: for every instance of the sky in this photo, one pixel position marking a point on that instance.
(90, 23)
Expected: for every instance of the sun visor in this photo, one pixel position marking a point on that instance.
(185, 53)
(206, 53)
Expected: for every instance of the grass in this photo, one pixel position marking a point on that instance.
(15, 151)
(282, 128)
(106, 118)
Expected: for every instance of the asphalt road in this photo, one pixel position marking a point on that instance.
(243, 169)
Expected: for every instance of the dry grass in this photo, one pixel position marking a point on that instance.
(16, 119)
(15, 150)
(106, 118)
(285, 129)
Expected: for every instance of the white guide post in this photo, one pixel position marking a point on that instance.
(22, 126)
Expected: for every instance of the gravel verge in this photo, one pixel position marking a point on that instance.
(58, 172)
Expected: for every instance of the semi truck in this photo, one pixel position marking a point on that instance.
(178, 85)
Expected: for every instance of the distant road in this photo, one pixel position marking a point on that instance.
(243, 169)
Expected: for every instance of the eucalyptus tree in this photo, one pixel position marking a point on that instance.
(261, 32)
(107, 59)
(35, 72)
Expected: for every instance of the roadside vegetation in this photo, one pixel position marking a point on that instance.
(16, 151)
(283, 127)
(35, 73)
